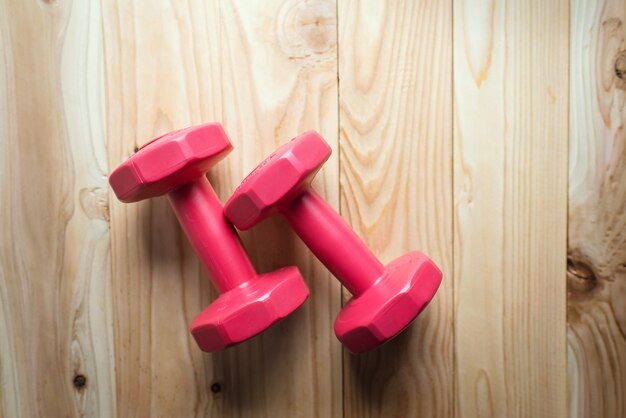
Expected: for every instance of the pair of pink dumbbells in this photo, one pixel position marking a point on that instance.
(386, 298)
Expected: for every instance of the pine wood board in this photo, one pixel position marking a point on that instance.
(395, 67)
(56, 324)
(596, 276)
(510, 207)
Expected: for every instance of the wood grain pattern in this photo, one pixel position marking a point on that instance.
(396, 187)
(267, 70)
(279, 78)
(510, 180)
(55, 311)
(468, 164)
(159, 60)
(597, 210)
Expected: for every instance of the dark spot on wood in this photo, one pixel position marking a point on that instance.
(584, 284)
(216, 388)
(580, 276)
(135, 149)
(80, 381)
(620, 65)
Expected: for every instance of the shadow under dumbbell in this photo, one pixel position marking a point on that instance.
(389, 354)
(270, 245)
(392, 379)
(259, 373)
(376, 375)
(173, 277)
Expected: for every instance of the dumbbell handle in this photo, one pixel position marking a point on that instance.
(332, 240)
(214, 239)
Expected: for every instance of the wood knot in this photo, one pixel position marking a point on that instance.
(80, 381)
(581, 278)
(307, 29)
(216, 387)
(620, 65)
(610, 56)
(94, 202)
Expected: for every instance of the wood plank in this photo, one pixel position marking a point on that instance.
(279, 78)
(396, 187)
(596, 276)
(55, 311)
(510, 177)
(160, 58)
(267, 70)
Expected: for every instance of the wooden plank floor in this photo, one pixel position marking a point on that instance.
(596, 273)
(396, 188)
(487, 134)
(510, 139)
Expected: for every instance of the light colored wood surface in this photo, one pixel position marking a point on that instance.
(396, 187)
(597, 211)
(510, 187)
(158, 57)
(56, 321)
(449, 123)
(278, 76)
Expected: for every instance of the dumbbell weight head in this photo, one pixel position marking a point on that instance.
(390, 305)
(175, 164)
(169, 161)
(247, 310)
(384, 302)
(277, 180)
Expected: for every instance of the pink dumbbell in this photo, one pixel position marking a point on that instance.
(386, 298)
(175, 164)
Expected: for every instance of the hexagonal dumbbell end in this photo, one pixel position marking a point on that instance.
(170, 161)
(386, 299)
(247, 310)
(175, 164)
(403, 291)
(279, 179)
